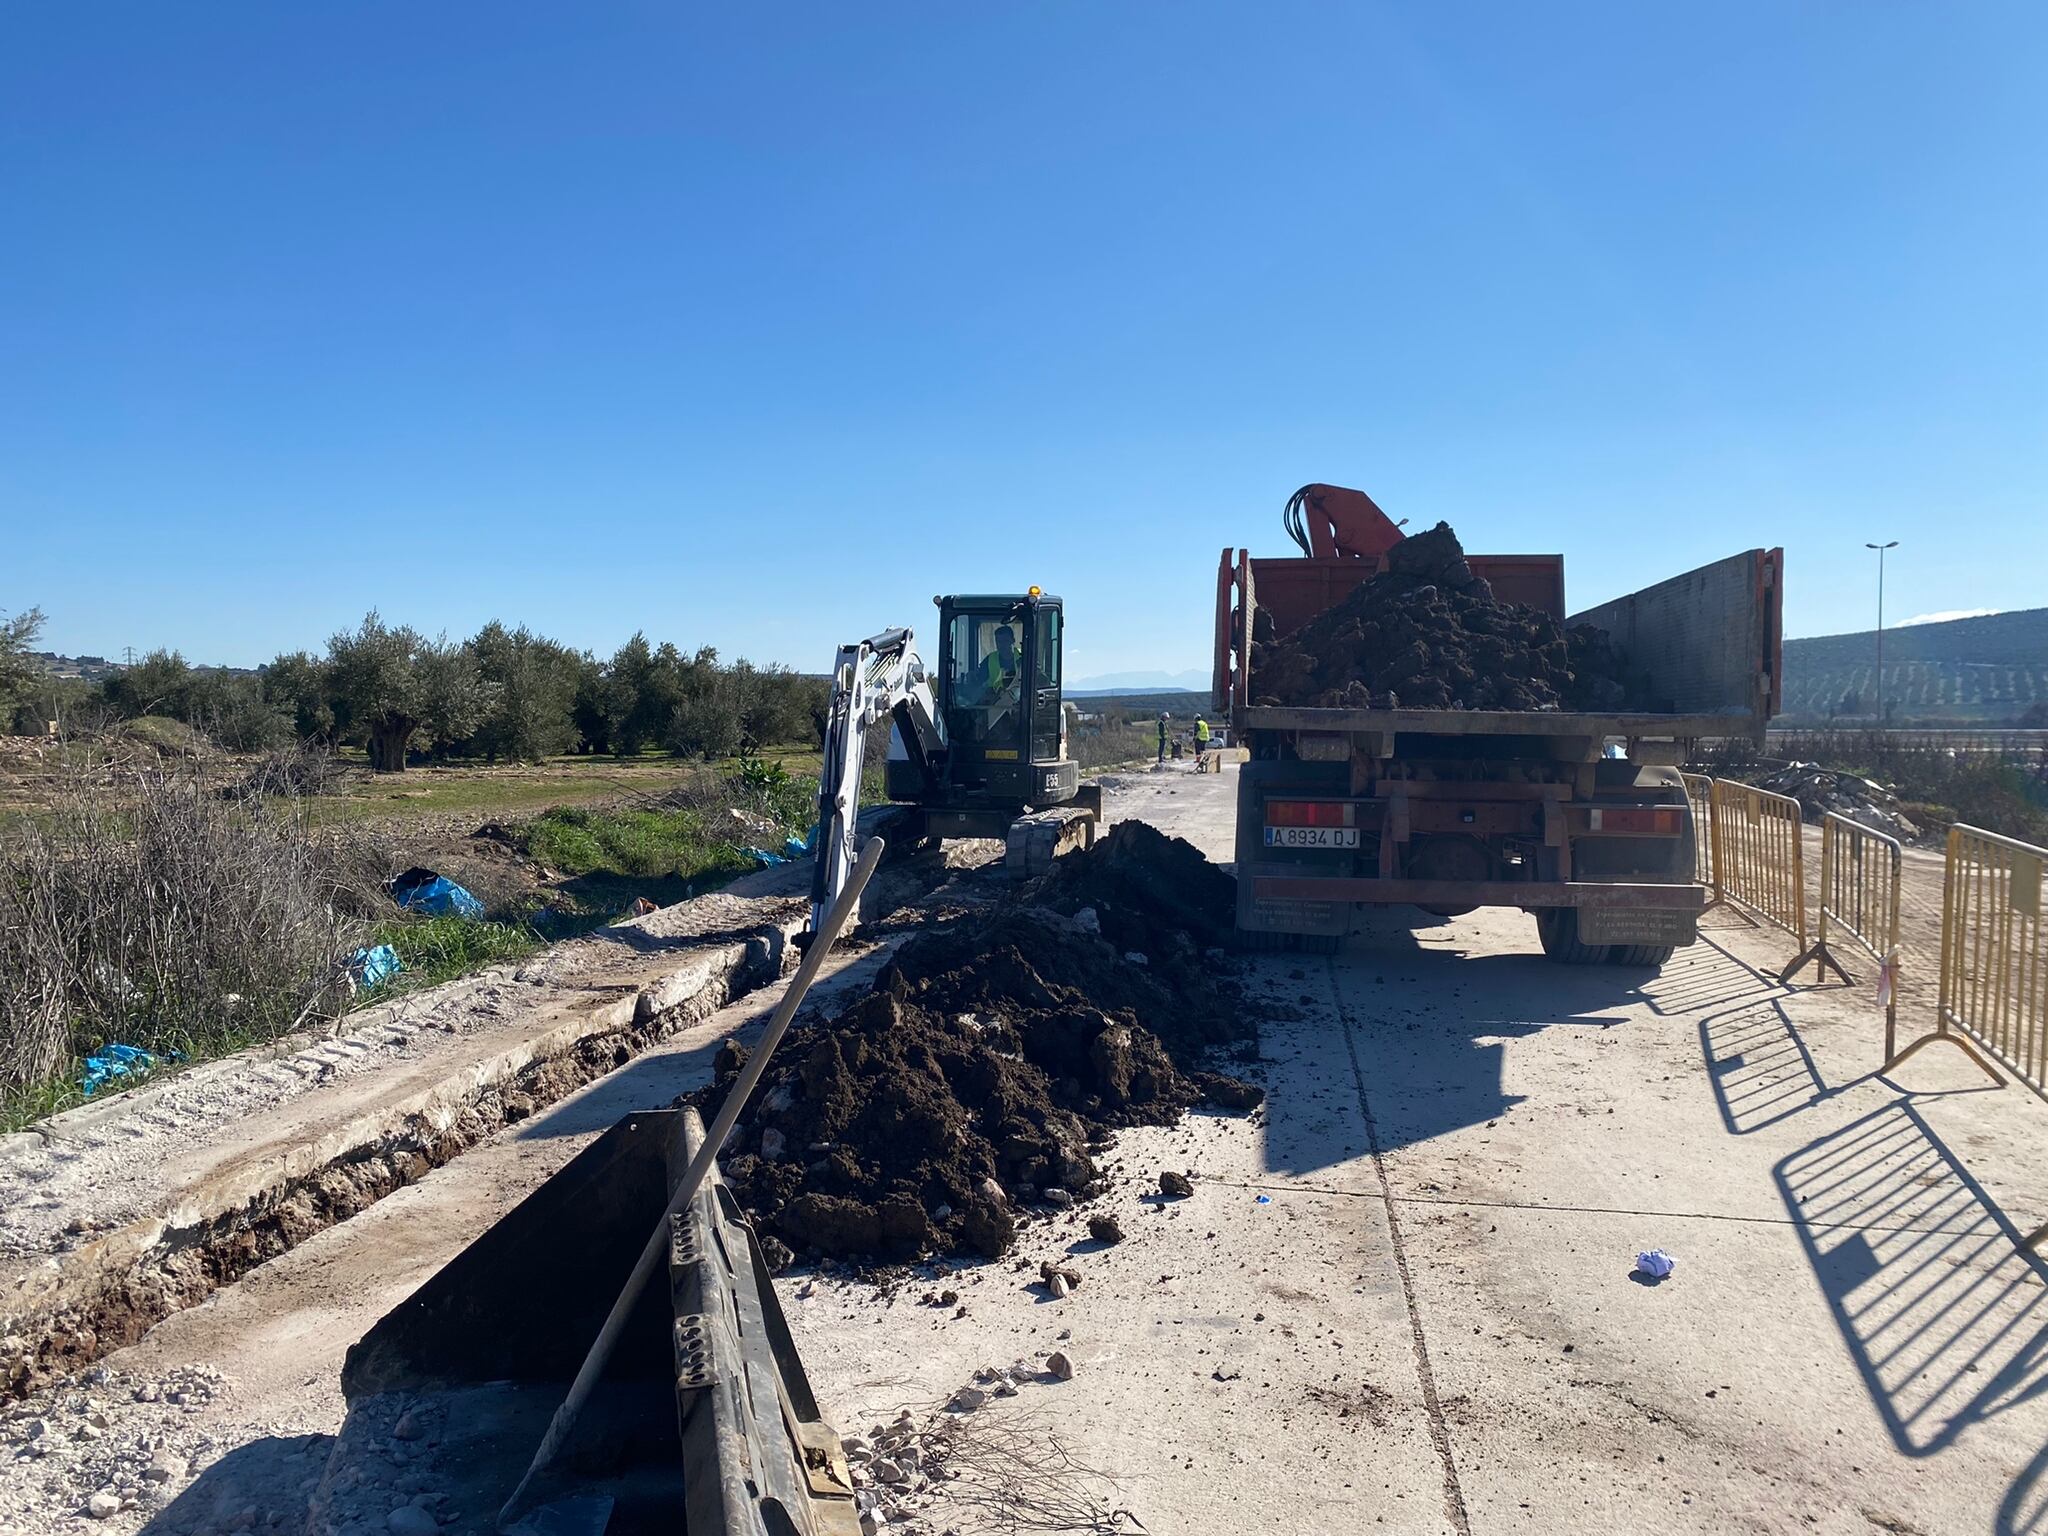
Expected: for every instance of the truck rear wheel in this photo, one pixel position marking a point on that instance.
(1558, 930)
(1640, 954)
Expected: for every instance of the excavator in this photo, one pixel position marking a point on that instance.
(976, 749)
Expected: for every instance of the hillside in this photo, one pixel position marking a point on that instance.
(1989, 669)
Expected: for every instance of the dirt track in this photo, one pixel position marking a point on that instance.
(1427, 1323)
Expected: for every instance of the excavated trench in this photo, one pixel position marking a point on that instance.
(189, 1264)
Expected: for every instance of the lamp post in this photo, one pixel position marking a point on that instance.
(1881, 548)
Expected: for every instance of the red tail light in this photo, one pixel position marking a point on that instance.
(1311, 813)
(1644, 820)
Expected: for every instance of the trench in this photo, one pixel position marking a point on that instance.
(191, 1263)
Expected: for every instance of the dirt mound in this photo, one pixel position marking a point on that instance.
(987, 1060)
(1426, 633)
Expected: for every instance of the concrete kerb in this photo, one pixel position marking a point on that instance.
(61, 1310)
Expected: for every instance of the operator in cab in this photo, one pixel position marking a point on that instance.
(1001, 667)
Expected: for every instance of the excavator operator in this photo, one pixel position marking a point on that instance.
(1001, 667)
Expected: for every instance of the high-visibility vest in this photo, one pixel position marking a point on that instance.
(1201, 730)
(998, 676)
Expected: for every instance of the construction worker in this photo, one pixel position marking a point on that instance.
(1001, 667)
(1201, 745)
(1163, 718)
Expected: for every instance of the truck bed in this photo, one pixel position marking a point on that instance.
(1487, 722)
(1710, 642)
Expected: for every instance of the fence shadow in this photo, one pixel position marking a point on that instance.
(1944, 1315)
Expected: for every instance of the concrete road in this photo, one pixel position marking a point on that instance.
(1401, 1296)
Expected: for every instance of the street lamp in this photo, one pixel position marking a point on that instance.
(1881, 548)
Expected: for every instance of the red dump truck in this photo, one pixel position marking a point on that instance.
(1581, 819)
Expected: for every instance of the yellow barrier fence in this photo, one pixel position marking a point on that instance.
(1759, 856)
(1861, 871)
(1699, 789)
(1994, 976)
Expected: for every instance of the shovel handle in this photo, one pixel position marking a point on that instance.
(693, 1178)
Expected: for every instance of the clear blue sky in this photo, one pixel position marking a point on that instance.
(759, 325)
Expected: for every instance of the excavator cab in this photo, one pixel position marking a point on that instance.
(998, 687)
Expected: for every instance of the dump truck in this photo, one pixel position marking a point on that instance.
(1580, 818)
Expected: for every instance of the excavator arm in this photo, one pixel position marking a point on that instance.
(882, 676)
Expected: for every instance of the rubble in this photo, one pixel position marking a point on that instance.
(988, 1058)
(1426, 633)
(1175, 1186)
(1821, 790)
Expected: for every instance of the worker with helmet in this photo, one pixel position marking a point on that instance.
(1201, 744)
(1163, 718)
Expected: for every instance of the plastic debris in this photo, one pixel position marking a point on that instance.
(1262, 1200)
(1655, 1263)
(110, 1063)
(374, 967)
(424, 890)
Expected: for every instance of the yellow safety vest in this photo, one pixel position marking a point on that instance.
(1201, 730)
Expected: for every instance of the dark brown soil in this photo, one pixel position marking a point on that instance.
(989, 1059)
(1426, 633)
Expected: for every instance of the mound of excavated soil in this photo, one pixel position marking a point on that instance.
(1426, 633)
(988, 1059)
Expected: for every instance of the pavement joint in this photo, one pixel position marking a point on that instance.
(1439, 1431)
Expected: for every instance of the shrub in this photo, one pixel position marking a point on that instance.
(161, 915)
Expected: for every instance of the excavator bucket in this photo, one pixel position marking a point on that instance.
(703, 1423)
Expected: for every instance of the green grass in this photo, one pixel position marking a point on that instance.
(438, 949)
(648, 844)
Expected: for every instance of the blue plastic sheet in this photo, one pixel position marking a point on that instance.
(374, 967)
(111, 1063)
(438, 897)
(763, 857)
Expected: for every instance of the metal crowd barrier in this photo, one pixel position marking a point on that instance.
(1699, 789)
(1759, 857)
(1994, 975)
(1993, 1004)
(1861, 872)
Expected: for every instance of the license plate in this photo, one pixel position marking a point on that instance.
(1311, 837)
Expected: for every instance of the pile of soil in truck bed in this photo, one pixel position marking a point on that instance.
(989, 1057)
(1426, 633)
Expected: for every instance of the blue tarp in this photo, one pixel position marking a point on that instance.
(373, 967)
(111, 1063)
(438, 897)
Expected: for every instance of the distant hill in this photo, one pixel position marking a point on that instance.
(1990, 669)
(1140, 682)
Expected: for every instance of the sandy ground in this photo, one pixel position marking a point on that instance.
(1400, 1296)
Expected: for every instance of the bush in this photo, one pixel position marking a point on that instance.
(161, 915)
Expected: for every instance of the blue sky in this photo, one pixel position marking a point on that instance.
(757, 326)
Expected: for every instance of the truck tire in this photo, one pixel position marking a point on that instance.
(1558, 930)
(1652, 955)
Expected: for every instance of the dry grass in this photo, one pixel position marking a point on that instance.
(142, 906)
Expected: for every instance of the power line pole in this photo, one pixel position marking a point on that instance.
(1882, 715)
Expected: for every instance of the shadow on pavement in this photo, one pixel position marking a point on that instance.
(244, 1488)
(1430, 1026)
(1943, 1313)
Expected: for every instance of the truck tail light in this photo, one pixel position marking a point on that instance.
(1644, 820)
(1311, 813)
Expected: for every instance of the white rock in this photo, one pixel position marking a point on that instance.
(1087, 920)
(1058, 1197)
(411, 1520)
(779, 1101)
(165, 1467)
(773, 1144)
(1135, 958)
(1057, 1284)
(103, 1505)
(1058, 1365)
